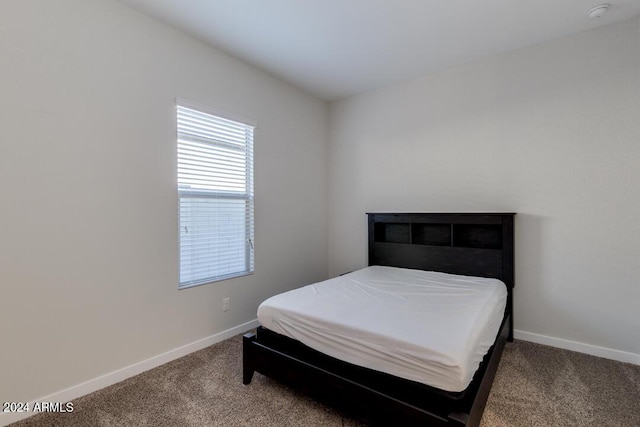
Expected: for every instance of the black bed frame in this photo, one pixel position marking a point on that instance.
(474, 244)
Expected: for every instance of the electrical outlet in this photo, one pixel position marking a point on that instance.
(226, 304)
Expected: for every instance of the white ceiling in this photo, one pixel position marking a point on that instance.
(336, 48)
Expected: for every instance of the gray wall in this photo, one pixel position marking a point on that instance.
(88, 219)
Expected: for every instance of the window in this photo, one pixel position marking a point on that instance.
(215, 187)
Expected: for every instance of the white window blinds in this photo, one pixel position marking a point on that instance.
(215, 186)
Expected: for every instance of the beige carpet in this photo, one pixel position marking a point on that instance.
(535, 386)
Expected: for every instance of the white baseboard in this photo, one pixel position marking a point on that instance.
(594, 350)
(111, 378)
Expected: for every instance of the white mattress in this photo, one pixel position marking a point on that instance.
(424, 326)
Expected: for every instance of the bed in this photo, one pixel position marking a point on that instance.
(442, 248)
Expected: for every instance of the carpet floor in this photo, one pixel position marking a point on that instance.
(535, 386)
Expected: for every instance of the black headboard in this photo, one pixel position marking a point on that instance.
(471, 244)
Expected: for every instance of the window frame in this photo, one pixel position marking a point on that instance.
(248, 196)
